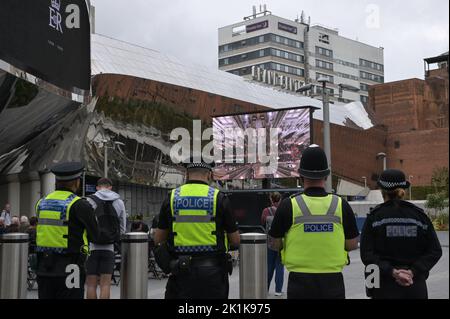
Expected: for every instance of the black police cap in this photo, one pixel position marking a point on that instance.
(67, 171)
(199, 162)
(392, 179)
(314, 163)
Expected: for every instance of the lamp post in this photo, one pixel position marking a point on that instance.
(326, 128)
(383, 156)
(365, 182)
(410, 187)
(326, 117)
(105, 164)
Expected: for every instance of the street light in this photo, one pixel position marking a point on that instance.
(365, 182)
(326, 127)
(105, 145)
(326, 117)
(410, 187)
(326, 123)
(305, 88)
(383, 156)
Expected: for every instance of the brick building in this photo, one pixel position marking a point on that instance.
(415, 115)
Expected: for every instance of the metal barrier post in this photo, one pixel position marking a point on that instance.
(253, 266)
(13, 266)
(134, 266)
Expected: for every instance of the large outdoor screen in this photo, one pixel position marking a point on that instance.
(260, 145)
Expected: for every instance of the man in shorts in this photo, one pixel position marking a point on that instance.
(100, 263)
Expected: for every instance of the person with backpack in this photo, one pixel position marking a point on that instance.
(273, 256)
(110, 213)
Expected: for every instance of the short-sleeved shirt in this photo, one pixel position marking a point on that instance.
(225, 220)
(283, 217)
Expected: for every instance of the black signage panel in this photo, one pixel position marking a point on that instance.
(287, 28)
(49, 39)
(257, 26)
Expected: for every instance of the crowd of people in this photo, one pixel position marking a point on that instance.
(15, 224)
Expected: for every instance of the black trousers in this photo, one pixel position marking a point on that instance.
(389, 289)
(55, 288)
(315, 286)
(199, 283)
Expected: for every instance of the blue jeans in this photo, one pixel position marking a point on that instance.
(274, 265)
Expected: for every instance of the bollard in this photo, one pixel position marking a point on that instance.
(13, 266)
(134, 266)
(253, 266)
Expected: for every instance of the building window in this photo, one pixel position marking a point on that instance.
(397, 144)
(324, 52)
(364, 87)
(328, 90)
(324, 65)
(329, 77)
(347, 76)
(270, 37)
(371, 65)
(371, 77)
(364, 99)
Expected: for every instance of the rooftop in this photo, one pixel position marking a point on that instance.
(111, 56)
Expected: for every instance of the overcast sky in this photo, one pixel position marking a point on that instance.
(408, 30)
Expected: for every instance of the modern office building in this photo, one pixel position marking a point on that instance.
(288, 54)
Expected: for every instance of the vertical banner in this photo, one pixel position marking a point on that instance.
(49, 40)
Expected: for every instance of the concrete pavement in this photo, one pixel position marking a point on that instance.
(438, 282)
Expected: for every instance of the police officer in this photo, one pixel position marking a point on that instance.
(318, 230)
(197, 222)
(64, 223)
(400, 239)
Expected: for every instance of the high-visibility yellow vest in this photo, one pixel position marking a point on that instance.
(193, 208)
(315, 243)
(53, 222)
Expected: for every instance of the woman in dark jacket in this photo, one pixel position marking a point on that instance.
(400, 240)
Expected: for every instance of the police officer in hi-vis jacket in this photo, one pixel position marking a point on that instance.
(318, 230)
(65, 222)
(197, 225)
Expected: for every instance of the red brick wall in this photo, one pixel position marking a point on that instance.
(419, 153)
(353, 151)
(415, 113)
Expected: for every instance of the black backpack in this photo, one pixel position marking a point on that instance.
(108, 222)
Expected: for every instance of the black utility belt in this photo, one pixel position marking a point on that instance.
(207, 261)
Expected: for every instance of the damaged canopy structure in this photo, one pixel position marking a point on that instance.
(139, 97)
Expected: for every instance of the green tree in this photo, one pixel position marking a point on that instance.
(439, 179)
